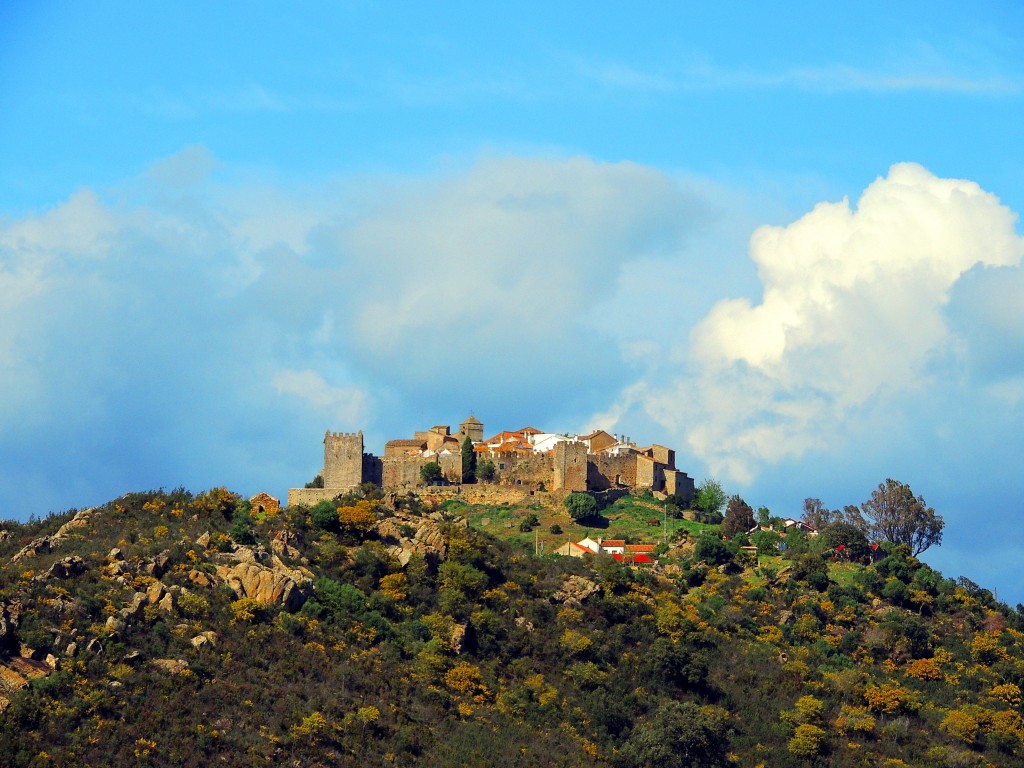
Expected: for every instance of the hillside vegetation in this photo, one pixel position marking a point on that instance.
(166, 628)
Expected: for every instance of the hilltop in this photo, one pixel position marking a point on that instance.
(165, 628)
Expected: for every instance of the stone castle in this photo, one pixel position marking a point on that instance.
(528, 458)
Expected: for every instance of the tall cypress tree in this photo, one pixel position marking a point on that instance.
(468, 461)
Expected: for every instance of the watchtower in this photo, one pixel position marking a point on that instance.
(472, 428)
(343, 459)
(570, 459)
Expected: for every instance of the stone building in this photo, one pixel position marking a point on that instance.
(527, 457)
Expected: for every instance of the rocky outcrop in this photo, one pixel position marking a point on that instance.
(171, 666)
(575, 591)
(10, 614)
(265, 578)
(45, 544)
(405, 535)
(281, 546)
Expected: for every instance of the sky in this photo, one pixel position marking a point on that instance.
(782, 238)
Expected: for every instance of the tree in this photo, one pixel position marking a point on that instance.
(818, 516)
(485, 470)
(850, 537)
(713, 551)
(468, 460)
(580, 506)
(710, 498)
(739, 517)
(895, 514)
(430, 473)
(679, 735)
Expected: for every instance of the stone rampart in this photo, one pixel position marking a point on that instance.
(488, 493)
(311, 496)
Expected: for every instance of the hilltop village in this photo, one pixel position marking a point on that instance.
(527, 458)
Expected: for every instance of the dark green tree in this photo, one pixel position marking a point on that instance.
(895, 514)
(850, 537)
(678, 735)
(468, 461)
(325, 515)
(485, 470)
(430, 473)
(580, 506)
(713, 551)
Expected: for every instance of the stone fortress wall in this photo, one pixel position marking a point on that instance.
(597, 462)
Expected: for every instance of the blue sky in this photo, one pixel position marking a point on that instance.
(783, 238)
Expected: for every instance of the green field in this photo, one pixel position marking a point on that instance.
(638, 520)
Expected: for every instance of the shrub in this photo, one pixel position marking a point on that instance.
(960, 725)
(529, 523)
(246, 609)
(1008, 693)
(192, 605)
(924, 669)
(806, 741)
(325, 516)
(357, 519)
(854, 719)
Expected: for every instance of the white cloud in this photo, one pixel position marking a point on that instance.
(344, 406)
(853, 311)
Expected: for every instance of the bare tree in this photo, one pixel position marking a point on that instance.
(895, 514)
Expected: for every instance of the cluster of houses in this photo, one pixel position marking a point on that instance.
(631, 554)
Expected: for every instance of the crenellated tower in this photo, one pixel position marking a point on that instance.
(343, 459)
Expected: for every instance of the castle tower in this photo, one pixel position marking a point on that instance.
(343, 460)
(473, 428)
(570, 459)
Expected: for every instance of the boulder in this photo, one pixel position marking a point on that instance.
(171, 666)
(157, 565)
(168, 603)
(67, 567)
(136, 606)
(115, 554)
(155, 592)
(266, 585)
(204, 639)
(199, 578)
(116, 568)
(204, 540)
(575, 591)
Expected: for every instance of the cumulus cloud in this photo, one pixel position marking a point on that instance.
(853, 312)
